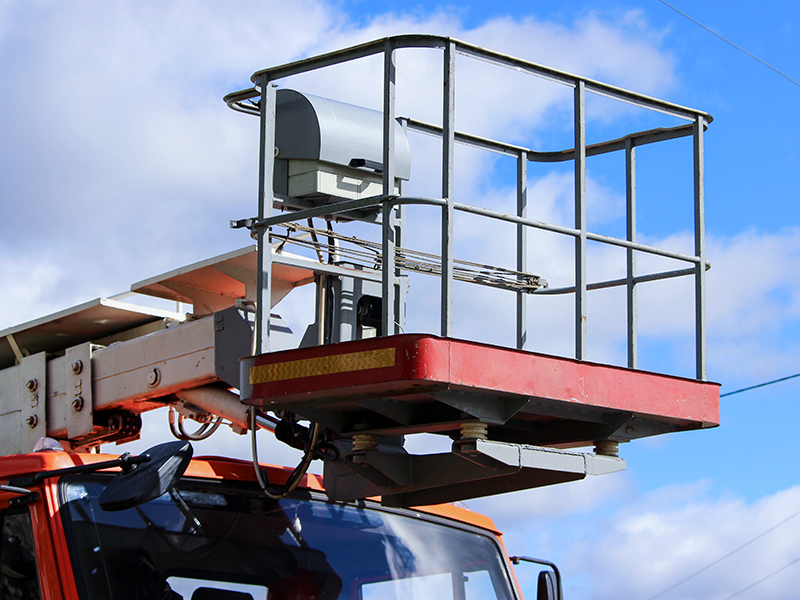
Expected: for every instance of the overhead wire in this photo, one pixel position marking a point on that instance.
(766, 64)
(719, 560)
(696, 573)
(760, 385)
(752, 387)
(763, 579)
(783, 75)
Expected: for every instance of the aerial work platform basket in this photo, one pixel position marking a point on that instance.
(361, 377)
(371, 392)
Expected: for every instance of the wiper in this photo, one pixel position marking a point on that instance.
(192, 523)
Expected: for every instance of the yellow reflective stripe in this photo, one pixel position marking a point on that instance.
(323, 365)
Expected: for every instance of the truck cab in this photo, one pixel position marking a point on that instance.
(215, 534)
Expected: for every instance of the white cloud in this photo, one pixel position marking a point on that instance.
(24, 281)
(538, 506)
(672, 533)
(607, 50)
(612, 542)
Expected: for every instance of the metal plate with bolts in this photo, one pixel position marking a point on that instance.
(33, 406)
(79, 390)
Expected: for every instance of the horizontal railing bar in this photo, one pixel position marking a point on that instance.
(467, 139)
(620, 282)
(641, 138)
(595, 237)
(326, 209)
(348, 205)
(471, 50)
(566, 78)
(236, 101)
(347, 54)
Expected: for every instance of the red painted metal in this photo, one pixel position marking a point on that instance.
(424, 363)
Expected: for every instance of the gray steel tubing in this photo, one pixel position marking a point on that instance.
(699, 248)
(432, 41)
(265, 176)
(448, 168)
(468, 208)
(234, 100)
(327, 209)
(641, 138)
(352, 53)
(522, 246)
(591, 85)
(581, 316)
(594, 237)
(388, 247)
(400, 240)
(600, 285)
(630, 258)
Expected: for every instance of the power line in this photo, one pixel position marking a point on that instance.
(752, 585)
(782, 74)
(719, 560)
(752, 387)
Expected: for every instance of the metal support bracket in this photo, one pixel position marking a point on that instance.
(33, 403)
(475, 468)
(78, 368)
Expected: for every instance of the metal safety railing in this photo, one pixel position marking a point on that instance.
(260, 100)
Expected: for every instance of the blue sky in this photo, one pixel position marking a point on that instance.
(119, 161)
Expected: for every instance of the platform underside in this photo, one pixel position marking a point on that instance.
(419, 383)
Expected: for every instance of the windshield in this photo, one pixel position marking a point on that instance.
(205, 537)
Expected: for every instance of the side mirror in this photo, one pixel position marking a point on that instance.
(152, 474)
(549, 583)
(546, 588)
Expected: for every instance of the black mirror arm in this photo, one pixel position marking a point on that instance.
(540, 561)
(25, 496)
(14, 490)
(126, 461)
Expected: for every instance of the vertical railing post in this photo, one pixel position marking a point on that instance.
(448, 149)
(580, 220)
(699, 248)
(388, 317)
(400, 242)
(522, 246)
(630, 196)
(266, 167)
